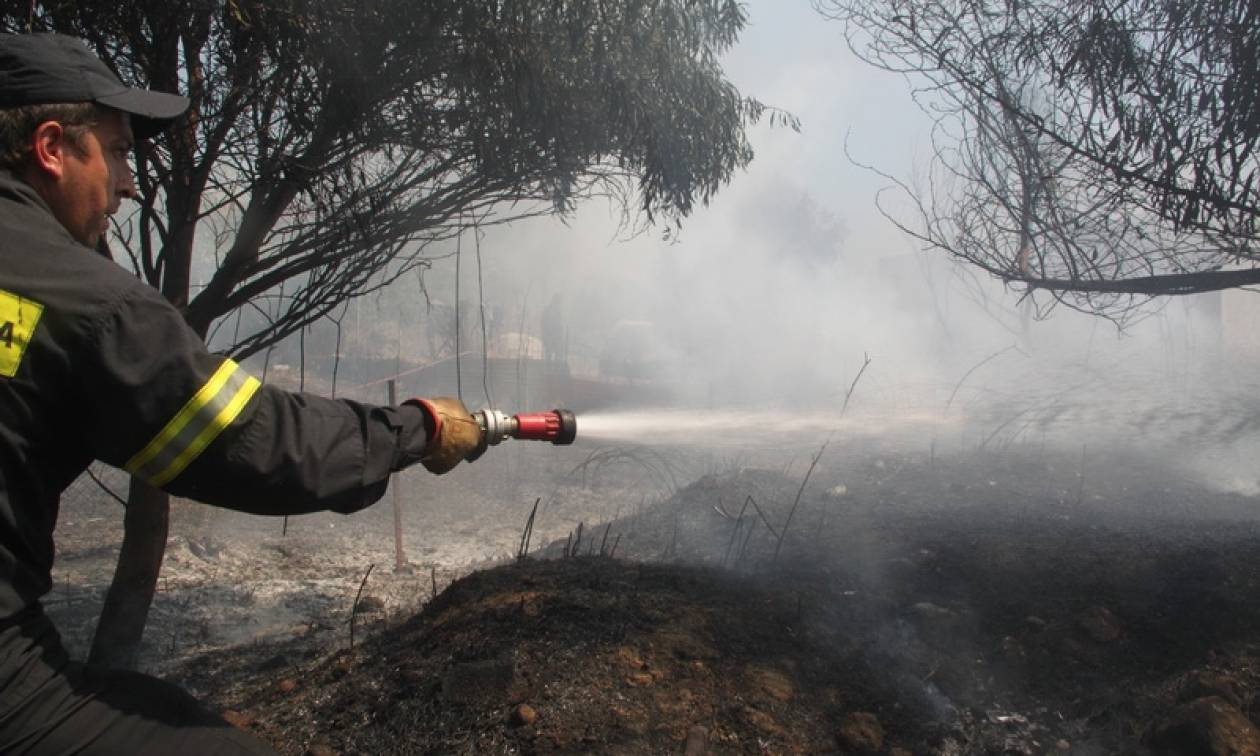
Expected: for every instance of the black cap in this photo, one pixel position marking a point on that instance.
(41, 69)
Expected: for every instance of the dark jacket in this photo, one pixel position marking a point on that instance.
(96, 365)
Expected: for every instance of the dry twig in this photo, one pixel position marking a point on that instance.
(354, 610)
(744, 546)
(973, 369)
(866, 361)
(735, 531)
(764, 519)
(604, 540)
(796, 502)
(526, 534)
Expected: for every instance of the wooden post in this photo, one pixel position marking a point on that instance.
(400, 560)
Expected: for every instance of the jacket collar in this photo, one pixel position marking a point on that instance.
(20, 198)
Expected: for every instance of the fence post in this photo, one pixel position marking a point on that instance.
(400, 561)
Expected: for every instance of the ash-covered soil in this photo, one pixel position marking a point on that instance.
(1019, 601)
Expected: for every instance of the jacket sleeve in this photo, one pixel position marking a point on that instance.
(165, 409)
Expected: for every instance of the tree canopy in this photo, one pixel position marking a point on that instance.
(1104, 152)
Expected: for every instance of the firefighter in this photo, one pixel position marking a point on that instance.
(96, 365)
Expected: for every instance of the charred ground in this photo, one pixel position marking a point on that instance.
(1015, 602)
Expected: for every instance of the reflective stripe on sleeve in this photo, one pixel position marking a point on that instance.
(199, 422)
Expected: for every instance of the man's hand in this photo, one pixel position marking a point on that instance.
(456, 435)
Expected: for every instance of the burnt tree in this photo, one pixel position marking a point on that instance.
(1103, 153)
(332, 148)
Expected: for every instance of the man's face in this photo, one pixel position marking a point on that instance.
(96, 177)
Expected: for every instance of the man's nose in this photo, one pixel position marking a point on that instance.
(127, 184)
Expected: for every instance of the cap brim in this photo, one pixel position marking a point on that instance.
(151, 112)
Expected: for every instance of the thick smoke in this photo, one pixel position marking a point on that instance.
(773, 297)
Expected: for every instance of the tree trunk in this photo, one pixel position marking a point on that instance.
(121, 625)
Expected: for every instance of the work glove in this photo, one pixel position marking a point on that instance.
(456, 435)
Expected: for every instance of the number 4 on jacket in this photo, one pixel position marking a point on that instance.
(18, 318)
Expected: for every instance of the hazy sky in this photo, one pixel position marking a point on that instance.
(792, 58)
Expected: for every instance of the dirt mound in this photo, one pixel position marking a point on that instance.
(575, 656)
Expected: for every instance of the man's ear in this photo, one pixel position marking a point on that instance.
(48, 149)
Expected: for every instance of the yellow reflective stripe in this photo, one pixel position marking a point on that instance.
(209, 433)
(181, 419)
(197, 423)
